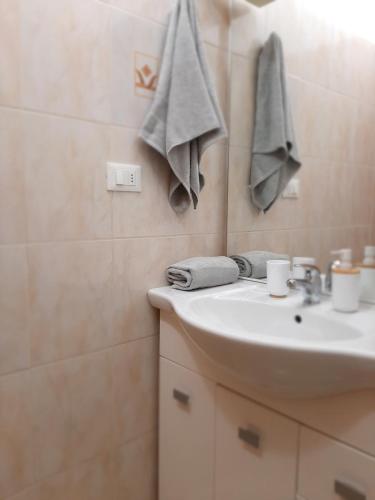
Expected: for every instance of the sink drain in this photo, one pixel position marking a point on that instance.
(298, 319)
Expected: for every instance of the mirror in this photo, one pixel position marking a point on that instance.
(329, 54)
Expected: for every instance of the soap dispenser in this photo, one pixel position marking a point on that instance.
(345, 282)
(367, 268)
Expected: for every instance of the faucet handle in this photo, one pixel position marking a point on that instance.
(311, 271)
(311, 284)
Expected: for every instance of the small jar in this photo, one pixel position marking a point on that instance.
(346, 289)
(345, 282)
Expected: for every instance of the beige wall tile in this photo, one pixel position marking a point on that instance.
(91, 480)
(149, 9)
(69, 66)
(241, 212)
(131, 211)
(243, 91)
(360, 194)
(140, 264)
(16, 447)
(363, 151)
(242, 215)
(307, 37)
(345, 54)
(135, 383)
(14, 310)
(365, 62)
(324, 121)
(248, 28)
(309, 101)
(72, 412)
(274, 241)
(71, 305)
(135, 469)
(214, 16)
(66, 56)
(12, 185)
(217, 60)
(66, 183)
(330, 72)
(10, 52)
(131, 35)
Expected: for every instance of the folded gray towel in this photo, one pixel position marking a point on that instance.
(254, 264)
(202, 272)
(185, 117)
(275, 158)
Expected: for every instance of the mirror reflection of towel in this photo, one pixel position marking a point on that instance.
(184, 118)
(275, 158)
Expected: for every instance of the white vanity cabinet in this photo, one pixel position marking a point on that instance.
(221, 440)
(330, 470)
(186, 434)
(256, 451)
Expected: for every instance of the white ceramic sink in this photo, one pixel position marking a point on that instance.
(278, 345)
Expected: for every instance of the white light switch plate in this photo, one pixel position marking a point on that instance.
(292, 190)
(123, 177)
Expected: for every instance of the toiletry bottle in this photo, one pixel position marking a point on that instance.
(367, 268)
(345, 283)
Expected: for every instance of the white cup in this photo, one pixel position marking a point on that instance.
(278, 274)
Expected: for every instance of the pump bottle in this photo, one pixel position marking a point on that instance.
(345, 283)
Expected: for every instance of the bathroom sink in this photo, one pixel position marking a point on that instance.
(278, 345)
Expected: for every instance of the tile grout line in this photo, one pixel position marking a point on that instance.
(106, 239)
(72, 467)
(302, 228)
(106, 349)
(310, 82)
(159, 23)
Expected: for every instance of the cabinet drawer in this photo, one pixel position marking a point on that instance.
(330, 470)
(186, 434)
(256, 451)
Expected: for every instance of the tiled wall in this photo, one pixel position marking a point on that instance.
(331, 77)
(78, 345)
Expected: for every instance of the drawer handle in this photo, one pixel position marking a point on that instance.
(181, 397)
(348, 492)
(250, 437)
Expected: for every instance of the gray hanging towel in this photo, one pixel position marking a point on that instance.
(185, 117)
(275, 158)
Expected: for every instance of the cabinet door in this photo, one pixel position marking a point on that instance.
(256, 451)
(330, 470)
(186, 434)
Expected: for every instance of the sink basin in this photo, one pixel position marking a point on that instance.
(265, 322)
(278, 345)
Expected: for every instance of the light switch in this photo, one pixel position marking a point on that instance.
(120, 181)
(292, 190)
(124, 177)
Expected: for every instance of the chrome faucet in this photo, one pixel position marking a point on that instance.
(311, 284)
(328, 283)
